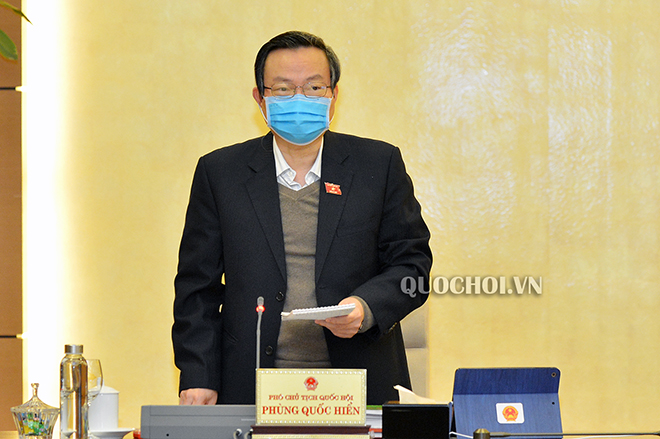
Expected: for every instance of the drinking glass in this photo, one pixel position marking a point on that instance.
(94, 384)
(94, 379)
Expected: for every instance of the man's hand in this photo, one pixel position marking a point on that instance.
(345, 326)
(198, 397)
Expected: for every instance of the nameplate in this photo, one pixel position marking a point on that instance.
(310, 432)
(311, 396)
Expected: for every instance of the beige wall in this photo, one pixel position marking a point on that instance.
(531, 130)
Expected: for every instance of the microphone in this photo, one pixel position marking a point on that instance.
(482, 433)
(260, 310)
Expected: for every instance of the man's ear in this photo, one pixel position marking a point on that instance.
(257, 96)
(260, 101)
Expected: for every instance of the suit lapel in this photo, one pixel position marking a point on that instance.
(263, 192)
(331, 205)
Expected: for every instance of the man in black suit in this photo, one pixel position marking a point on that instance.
(303, 217)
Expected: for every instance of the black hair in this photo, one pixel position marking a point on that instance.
(294, 40)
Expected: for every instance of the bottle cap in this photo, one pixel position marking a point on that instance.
(73, 349)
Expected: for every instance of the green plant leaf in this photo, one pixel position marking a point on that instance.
(15, 10)
(7, 47)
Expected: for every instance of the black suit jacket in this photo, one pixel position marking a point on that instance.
(369, 238)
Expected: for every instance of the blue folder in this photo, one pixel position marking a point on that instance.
(510, 400)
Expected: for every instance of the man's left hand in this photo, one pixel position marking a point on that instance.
(345, 326)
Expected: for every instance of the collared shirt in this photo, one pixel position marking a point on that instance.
(286, 174)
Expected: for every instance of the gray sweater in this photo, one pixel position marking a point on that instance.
(301, 343)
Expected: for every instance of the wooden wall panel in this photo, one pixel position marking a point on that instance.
(10, 213)
(11, 350)
(10, 23)
(11, 378)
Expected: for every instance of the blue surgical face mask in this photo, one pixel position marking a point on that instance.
(299, 120)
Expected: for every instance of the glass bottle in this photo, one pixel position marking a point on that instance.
(73, 394)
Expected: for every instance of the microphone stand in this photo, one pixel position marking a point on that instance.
(482, 433)
(260, 310)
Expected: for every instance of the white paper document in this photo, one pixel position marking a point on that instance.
(319, 313)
